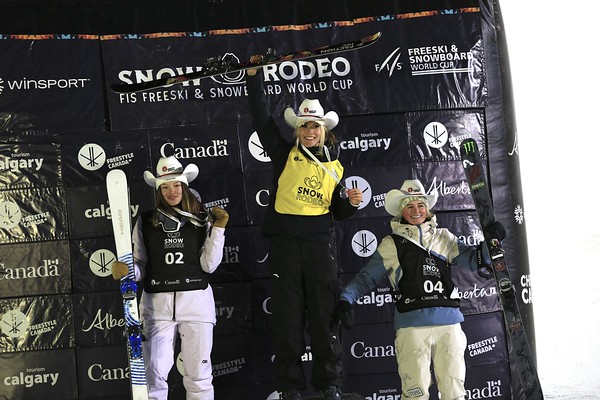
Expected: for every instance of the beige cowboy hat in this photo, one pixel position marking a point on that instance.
(311, 110)
(411, 190)
(169, 169)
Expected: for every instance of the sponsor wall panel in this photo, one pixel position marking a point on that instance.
(215, 148)
(232, 303)
(87, 157)
(264, 358)
(486, 339)
(258, 186)
(261, 306)
(357, 240)
(36, 323)
(36, 375)
(32, 215)
(103, 372)
(233, 360)
(98, 318)
(436, 135)
(253, 155)
(89, 211)
(225, 191)
(369, 349)
(385, 386)
(337, 77)
(261, 245)
(54, 81)
(238, 257)
(491, 381)
(91, 261)
(375, 183)
(374, 307)
(448, 178)
(372, 141)
(35, 269)
(28, 161)
(478, 294)
(423, 61)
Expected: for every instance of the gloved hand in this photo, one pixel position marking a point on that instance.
(119, 269)
(496, 230)
(343, 314)
(221, 217)
(484, 268)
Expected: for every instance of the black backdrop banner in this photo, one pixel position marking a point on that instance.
(405, 103)
(64, 94)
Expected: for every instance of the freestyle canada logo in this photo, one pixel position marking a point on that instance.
(15, 324)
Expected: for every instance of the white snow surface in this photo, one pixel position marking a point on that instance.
(556, 86)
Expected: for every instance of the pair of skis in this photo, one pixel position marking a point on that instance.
(480, 191)
(118, 199)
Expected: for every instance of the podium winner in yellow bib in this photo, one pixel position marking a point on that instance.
(306, 197)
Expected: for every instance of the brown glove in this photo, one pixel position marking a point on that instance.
(221, 217)
(119, 269)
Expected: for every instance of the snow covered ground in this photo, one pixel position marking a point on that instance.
(556, 87)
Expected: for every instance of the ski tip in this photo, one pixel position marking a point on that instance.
(115, 173)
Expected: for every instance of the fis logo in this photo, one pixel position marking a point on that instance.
(391, 63)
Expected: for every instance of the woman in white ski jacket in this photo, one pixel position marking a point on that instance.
(175, 247)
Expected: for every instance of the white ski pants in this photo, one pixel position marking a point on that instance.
(417, 347)
(196, 345)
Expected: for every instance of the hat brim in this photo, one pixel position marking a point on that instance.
(189, 173)
(330, 119)
(394, 196)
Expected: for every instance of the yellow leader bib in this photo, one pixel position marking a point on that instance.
(304, 187)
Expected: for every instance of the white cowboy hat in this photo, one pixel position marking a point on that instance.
(169, 169)
(411, 190)
(311, 110)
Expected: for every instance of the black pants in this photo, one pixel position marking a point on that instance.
(304, 284)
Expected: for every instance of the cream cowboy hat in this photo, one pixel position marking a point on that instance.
(411, 190)
(311, 110)
(169, 169)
